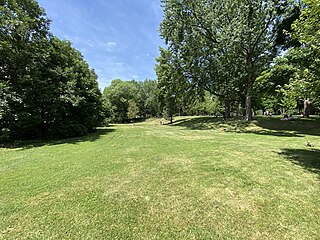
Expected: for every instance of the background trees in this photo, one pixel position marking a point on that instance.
(219, 53)
(46, 87)
(127, 100)
(295, 75)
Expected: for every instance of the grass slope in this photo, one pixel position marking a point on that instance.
(198, 179)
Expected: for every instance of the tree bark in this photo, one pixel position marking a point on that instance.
(226, 108)
(306, 108)
(250, 80)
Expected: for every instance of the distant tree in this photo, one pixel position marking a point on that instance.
(207, 105)
(133, 110)
(172, 86)
(147, 98)
(119, 93)
(121, 97)
(267, 95)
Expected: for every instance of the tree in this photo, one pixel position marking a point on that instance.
(290, 12)
(306, 30)
(208, 105)
(119, 93)
(304, 84)
(267, 95)
(73, 105)
(46, 88)
(139, 98)
(223, 45)
(23, 32)
(147, 98)
(133, 110)
(172, 86)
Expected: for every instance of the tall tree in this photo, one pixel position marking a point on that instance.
(46, 87)
(173, 87)
(24, 32)
(224, 44)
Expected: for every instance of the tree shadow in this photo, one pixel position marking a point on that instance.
(261, 126)
(302, 126)
(91, 137)
(309, 159)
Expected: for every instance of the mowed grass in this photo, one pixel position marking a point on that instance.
(200, 178)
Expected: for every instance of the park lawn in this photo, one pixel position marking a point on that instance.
(200, 178)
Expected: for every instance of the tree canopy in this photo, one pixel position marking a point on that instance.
(46, 87)
(127, 100)
(223, 46)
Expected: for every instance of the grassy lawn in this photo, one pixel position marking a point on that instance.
(200, 178)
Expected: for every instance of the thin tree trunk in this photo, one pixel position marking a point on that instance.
(226, 108)
(250, 79)
(306, 108)
(243, 106)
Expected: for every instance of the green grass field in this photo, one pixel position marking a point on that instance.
(200, 178)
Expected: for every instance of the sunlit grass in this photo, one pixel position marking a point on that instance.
(200, 178)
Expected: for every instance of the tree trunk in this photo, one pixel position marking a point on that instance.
(243, 106)
(250, 79)
(145, 113)
(226, 108)
(306, 108)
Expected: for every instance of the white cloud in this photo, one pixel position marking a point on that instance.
(110, 46)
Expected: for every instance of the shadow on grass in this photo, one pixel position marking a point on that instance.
(305, 126)
(266, 126)
(91, 137)
(309, 159)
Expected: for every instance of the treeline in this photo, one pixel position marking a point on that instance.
(131, 100)
(46, 87)
(126, 100)
(252, 55)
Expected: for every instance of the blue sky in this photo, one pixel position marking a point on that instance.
(118, 38)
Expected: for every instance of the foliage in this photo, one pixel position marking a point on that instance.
(148, 98)
(294, 78)
(290, 11)
(171, 84)
(221, 46)
(209, 105)
(133, 110)
(306, 28)
(129, 99)
(46, 88)
(268, 96)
